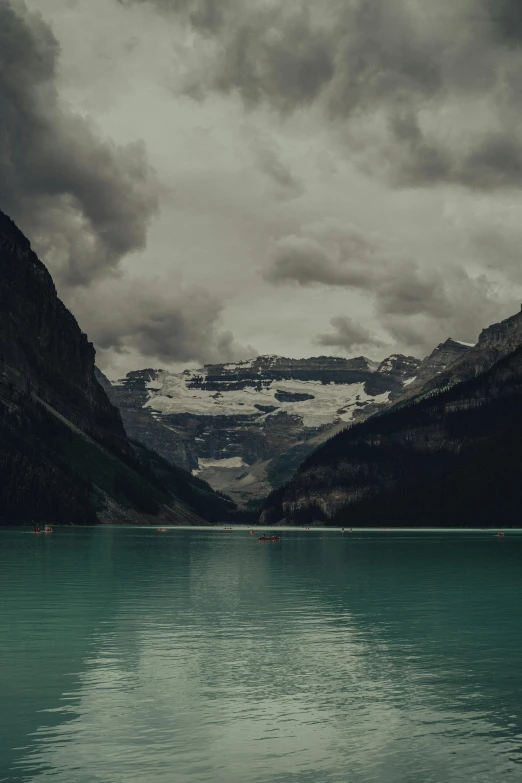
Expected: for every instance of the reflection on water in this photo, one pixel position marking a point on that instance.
(205, 655)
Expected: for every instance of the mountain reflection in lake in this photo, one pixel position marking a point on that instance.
(205, 655)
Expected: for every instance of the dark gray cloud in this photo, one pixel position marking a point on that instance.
(336, 255)
(398, 286)
(388, 64)
(383, 56)
(349, 335)
(302, 260)
(494, 163)
(409, 291)
(288, 54)
(506, 18)
(327, 253)
(413, 306)
(464, 306)
(260, 65)
(422, 162)
(84, 202)
(140, 318)
(419, 94)
(273, 53)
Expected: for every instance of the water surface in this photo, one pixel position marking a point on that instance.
(129, 656)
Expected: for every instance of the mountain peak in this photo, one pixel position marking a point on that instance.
(505, 335)
(245, 425)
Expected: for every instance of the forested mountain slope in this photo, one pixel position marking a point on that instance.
(450, 458)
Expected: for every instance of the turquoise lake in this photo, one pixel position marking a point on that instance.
(131, 656)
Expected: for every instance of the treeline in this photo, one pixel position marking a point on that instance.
(454, 458)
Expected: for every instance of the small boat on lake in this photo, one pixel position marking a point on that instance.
(500, 533)
(269, 538)
(48, 529)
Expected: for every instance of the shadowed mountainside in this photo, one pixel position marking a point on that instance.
(64, 454)
(450, 457)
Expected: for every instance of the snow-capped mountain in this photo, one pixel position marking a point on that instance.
(245, 427)
(315, 402)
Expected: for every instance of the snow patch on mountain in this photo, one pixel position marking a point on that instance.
(246, 426)
(314, 402)
(226, 464)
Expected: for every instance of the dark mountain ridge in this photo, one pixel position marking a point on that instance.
(64, 453)
(446, 457)
(452, 363)
(42, 349)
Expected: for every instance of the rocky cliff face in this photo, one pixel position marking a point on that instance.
(459, 438)
(393, 375)
(442, 359)
(264, 370)
(245, 427)
(454, 362)
(42, 349)
(64, 454)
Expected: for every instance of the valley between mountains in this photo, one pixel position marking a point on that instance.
(246, 427)
(329, 440)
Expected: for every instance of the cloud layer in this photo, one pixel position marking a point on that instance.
(366, 155)
(84, 202)
(349, 336)
(419, 93)
(413, 305)
(142, 319)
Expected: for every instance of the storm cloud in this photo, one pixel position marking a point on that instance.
(327, 253)
(349, 335)
(413, 305)
(352, 160)
(506, 16)
(416, 93)
(138, 317)
(84, 202)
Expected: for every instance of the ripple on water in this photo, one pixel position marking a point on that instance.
(205, 656)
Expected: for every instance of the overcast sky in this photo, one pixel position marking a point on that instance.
(210, 179)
